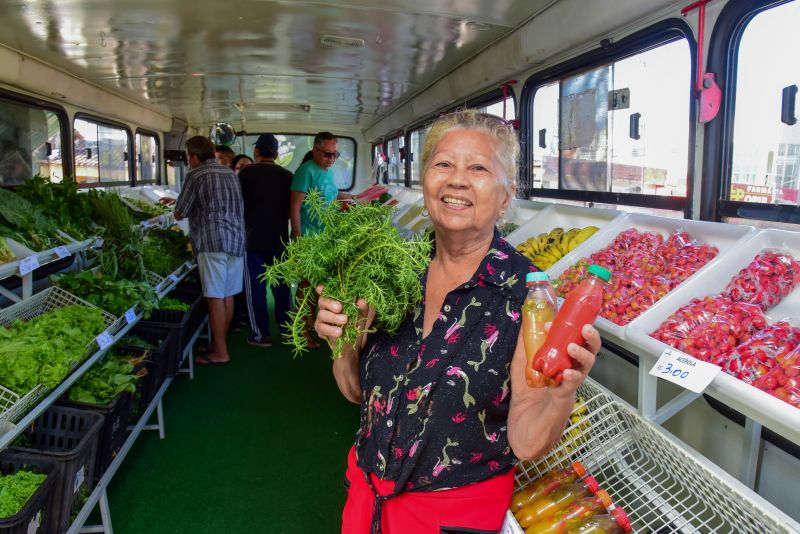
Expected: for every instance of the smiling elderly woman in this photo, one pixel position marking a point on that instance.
(445, 409)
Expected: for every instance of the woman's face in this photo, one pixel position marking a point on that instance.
(464, 183)
(241, 164)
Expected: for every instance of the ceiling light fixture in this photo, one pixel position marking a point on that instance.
(272, 107)
(338, 41)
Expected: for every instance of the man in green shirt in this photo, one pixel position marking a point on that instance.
(314, 174)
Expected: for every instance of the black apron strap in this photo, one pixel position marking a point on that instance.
(377, 507)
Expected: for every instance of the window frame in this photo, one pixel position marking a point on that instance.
(723, 53)
(111, 124)
(158, 164)
(63, 121)
(655, 35)
(406, 177)
(355, 147)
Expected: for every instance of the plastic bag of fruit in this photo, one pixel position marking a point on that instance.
(710, 328)
(684, 256)
(767, 349)
(771, 276)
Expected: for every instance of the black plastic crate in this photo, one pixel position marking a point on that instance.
(176, 322)
(198, 310)
(157, 358)
(115, 428)
(68, 438)
(31, 519)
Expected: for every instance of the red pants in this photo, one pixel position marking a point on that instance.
(477, 507)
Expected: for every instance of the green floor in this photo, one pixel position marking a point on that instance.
(255, 446)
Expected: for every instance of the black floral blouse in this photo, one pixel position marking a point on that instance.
(434, 411)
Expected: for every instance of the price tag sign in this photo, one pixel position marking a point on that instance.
(690, 373)
(187, 264)
(62, 252)
(130, 316)
(104, 340)
(98, 242)
(173, 277)
(28, 264)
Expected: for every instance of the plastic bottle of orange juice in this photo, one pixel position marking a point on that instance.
(547, 506)
(542, 486)
(540, 307)
(616, 522)
(580, 308)
(573, 514)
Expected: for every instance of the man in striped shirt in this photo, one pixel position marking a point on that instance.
(212, 201)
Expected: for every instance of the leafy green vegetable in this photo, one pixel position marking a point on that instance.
(61, 202)
(44, 349)
(169, 303)
(165, 250)
(121, 256)
(114, 296)
(136, 341)
(149, 209)
(29, 223)
(6, 255)
(359, 254)
(16, 489)
(103, 382)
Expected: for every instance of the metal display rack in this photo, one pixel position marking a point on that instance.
(662, 484)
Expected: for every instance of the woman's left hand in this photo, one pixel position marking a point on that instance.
(585, 356)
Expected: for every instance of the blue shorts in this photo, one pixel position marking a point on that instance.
(221, 274)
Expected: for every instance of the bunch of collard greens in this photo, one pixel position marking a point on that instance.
(27, 224)
(62, 203)
(16, 489)
(165, 250)
(114, 296)
(44, 349)
(107, 379)
(359, 254)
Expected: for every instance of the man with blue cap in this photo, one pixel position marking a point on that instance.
(265, 189)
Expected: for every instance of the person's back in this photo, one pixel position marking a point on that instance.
(265, 190)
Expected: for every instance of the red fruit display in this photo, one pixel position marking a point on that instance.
(644, 267)
(767, 280)
(774, 348)
(711, 328)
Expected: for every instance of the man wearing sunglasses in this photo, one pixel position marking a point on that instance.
(314, 174)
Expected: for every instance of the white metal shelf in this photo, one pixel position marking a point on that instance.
(662, 484)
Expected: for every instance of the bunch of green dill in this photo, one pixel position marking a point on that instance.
(359, 254)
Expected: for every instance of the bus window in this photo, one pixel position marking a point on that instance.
(147, 159)
(496, 108)
(101, 153)
(292, 149)
(417, 142)
(30, 143)
(395, 151)
(619, 128)
(766, 150)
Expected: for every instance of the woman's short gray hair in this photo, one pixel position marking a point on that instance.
(507, 142)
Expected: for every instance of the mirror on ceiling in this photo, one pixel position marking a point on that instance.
(222, 133)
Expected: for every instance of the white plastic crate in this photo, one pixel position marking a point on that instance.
(566, 217)
(662, 484)
(38, 304)
(770, 411)
(726, 237)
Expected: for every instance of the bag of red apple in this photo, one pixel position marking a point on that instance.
(710, 328)
(770, 277)
(767, 349)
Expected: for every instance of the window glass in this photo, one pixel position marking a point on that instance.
(417, 142)
(147, 160)
(496, 108)
(396, 168)
(293, 148)
(766, 151)
(101, 153)
(30, 143)
(621, 127)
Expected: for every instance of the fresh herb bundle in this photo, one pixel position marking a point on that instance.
(26, 223)
(44, 349)
(16, 489)
(114, 296)
(359, 254)
(148, 209)
(61, 202)
(103, 382)
(6, 254)
(165, 250)
(121, 256)
(169, 303)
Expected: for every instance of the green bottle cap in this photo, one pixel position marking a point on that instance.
(600, 272)
(538, 276)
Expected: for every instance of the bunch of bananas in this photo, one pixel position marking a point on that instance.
(547, 248)
(578, 428)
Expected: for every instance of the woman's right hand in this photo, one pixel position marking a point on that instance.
(330, 319)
